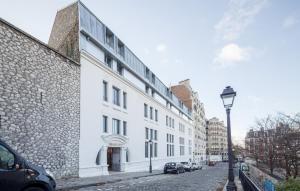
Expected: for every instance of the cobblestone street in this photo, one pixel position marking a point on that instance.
(208, 179)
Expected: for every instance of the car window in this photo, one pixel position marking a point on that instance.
(7, 159)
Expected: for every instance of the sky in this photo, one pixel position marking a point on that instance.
(251, 45)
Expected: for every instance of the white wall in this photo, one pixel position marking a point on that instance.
(93, 107)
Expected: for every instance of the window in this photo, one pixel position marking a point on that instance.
(181, 147)
(170, 122)
(146, 149)
(109, 38)
(124, 100)
(151, 134)
(145, 110)
(155, 135)
(151, 112)
(7, 159)
(147, 133)
(173, 123)
(105, 97)
(167, 120)
(121, 49)
(116, 126)
(153, 78)
(116, 96)
(124, 128)
(120, 68)
(155, 149)
(108, 60)
(104, 118)
(156, 115)
(170, 145)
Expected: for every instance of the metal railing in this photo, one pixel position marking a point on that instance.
(247, 183)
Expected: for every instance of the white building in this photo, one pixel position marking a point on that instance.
(217, 140)
(123, 104)
(191, 100)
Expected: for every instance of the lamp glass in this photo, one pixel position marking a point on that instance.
(228, 100)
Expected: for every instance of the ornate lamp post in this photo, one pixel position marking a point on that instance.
(150, 167)
(228, 99)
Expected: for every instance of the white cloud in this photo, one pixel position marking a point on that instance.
(239, 15)
(232, 54)
(161, 47)
(289, 21)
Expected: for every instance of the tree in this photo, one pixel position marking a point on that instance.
(267, 127)
(289, 143)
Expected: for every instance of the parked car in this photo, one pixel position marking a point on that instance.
(211, 163)
(17, 174)
(173, 167)
(196, 166)
(187, 166)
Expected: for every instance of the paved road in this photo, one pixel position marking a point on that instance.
(208, 179)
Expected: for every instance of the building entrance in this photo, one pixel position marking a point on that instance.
(113, 158)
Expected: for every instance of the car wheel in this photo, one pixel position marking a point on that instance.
(34, 189)
(165, 172)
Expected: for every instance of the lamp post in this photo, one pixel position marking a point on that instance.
(150, 167)
(227, 96)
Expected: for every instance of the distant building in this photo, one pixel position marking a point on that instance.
(191, 100)
(216, 139)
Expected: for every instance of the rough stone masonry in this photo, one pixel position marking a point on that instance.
(39, 102)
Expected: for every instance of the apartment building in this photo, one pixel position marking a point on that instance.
(191, 100)
(123, 104)
(216, 140)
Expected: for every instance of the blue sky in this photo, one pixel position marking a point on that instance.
(252, 45)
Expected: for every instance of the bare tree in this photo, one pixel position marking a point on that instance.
(288, 136)
(267, 128)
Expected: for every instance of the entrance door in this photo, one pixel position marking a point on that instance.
(113, 158)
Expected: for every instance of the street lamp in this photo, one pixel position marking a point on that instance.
(227, 96)
(150, 167)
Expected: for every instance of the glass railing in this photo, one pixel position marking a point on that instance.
(94, 28)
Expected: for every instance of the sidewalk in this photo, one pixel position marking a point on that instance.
(238, 184)
(76, 183)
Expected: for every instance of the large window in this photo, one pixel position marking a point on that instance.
(124, 100)
(124, 128)
(105, 93)
(109, 38)
(181, 147)
(116, 96)
(104, 121)
(7, 159)
(145, 110)
(156, 115)
(116, 126)
(170, 145)
(120, 68)
(151, 149)
(151, 112)
(108, 60)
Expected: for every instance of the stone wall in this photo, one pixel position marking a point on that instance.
(39, 102)
(64, 36)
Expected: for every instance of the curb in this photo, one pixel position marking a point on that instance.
(103, 183)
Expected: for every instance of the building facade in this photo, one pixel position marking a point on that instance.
(39, 101)
(216, 140)
(123, 104)
(191, 100)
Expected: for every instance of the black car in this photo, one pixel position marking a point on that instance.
(17, 174)
(173, 167)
